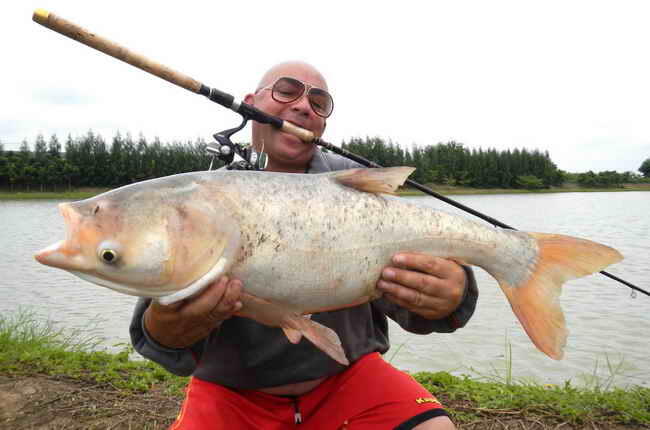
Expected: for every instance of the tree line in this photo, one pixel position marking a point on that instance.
(89, 161)
(452, 163)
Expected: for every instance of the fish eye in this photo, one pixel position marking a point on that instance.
(108, 256)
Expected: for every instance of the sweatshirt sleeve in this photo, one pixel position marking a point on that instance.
(181, 362)
(414, 323)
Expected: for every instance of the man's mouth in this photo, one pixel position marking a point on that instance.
(297, 125)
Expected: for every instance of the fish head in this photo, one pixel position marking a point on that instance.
(146, 245)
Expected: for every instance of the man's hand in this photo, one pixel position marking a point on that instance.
(184, 323)
(432, 287)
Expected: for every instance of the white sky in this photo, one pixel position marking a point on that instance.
(570, 77)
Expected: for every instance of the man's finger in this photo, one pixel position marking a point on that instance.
(424, 283)
(436, 266)
(230, 302)
(206, 301)
(407, 297)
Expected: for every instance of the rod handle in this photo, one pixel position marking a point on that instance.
(302, 134)
(75, 32)
(108, 47)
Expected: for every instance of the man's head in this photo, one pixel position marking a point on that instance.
(287, 152)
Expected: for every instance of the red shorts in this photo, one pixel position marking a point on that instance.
(371, 394)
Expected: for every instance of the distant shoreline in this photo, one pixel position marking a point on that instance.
(569, 188)
(441, 189)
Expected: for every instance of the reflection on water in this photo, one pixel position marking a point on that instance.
(605, 323)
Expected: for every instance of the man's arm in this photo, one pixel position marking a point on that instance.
(173, 335)
(423, 293)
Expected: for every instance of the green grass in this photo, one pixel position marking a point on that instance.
(30, 346)
(497, 392)
(37, 195)
(563, 403)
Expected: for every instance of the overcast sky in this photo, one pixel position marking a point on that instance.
(570, 77)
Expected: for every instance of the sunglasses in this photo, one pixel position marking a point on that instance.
(287, 90)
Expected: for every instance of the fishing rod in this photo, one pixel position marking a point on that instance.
(248, 112)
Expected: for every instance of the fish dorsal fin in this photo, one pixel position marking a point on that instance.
(381, 180)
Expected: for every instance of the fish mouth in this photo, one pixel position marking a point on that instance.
(51, 255)
(64, 254)
(70, 217)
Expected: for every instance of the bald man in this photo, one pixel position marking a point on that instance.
(248, 376)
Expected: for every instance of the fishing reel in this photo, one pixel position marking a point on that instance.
(236, 156)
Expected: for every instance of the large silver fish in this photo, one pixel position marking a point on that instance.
(303, 244)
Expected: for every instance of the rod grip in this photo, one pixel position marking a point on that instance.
(302, 134)
(75, 32)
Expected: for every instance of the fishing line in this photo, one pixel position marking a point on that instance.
(226, 149)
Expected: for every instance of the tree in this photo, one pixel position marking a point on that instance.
(40, 148)
(24, 151)
(645, 168)
(54, 147)
(530, 182)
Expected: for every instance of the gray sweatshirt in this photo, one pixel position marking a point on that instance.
(247, 355)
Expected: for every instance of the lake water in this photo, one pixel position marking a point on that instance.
(609, 328)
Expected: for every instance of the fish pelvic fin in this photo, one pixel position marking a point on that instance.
(293, 335)
(294, 325)
(381, 180)
(536, 301)
(323, 337)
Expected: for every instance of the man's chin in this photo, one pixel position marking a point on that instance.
(295, 152)
(290, 139)
(291, 143)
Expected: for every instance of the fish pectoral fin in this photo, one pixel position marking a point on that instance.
(293, 324)
(382, 180)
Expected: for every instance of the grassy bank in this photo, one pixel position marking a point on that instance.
(58, 195)
(55, 379)
(568, 188)
(441, 189)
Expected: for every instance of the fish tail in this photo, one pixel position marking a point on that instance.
(536, 302)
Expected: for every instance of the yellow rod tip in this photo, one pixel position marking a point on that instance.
(40, 15)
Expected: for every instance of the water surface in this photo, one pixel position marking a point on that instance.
(605, 322)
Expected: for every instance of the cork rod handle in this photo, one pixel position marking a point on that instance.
(75, 32)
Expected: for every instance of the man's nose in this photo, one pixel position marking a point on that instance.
(302, 105)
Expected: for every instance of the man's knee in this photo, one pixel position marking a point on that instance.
(437, 423)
